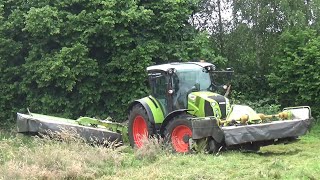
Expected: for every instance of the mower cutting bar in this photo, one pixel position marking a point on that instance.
(267, 131)
(37, 123)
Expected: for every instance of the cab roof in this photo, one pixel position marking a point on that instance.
(178, 65)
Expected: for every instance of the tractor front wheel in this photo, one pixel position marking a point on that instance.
(140, 128)
(178, 132)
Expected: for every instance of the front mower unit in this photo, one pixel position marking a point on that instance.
(270, 132)
(298, 125)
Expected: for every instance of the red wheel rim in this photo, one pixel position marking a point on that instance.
(140, 131)
(177, 138)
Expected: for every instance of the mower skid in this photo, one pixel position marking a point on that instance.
(37, 123)
(263, 132)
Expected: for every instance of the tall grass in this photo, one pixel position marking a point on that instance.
(66, 156)
(57, 156)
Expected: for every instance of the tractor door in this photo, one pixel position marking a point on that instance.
(159, 83)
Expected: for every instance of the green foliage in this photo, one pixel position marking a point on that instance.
(250, 37)
(254, 40)
(50, 24)
(75, 58)
(249, 55)
(295, 75)
(266, 105)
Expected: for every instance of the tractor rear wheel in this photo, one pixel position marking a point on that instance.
(140, 128)
(178, 132)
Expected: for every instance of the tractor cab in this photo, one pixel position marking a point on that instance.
(172, 83)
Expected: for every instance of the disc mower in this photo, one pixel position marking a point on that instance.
(186, 110)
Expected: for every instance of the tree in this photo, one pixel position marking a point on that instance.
(88, 58)
(295, 75)
(213, 17)
(249, 38)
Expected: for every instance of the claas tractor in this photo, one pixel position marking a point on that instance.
(185, 109)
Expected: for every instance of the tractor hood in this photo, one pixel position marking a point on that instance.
(206, 103)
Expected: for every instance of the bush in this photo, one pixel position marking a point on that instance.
(295, 76)
(81, 58)
(264, 105)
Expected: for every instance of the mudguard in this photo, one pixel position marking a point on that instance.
(154, 111)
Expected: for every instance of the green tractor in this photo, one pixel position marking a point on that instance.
(185, 109)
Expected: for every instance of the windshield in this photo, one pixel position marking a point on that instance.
(187, 79)
(193, 78)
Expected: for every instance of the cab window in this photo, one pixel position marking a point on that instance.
(159, 84)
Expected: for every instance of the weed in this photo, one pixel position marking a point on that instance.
(150, 150)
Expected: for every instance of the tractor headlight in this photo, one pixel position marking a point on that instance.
(216, 112)
(192, 97)
(213, 104)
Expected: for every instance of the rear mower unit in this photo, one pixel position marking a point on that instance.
(185, 109)
(89, 129)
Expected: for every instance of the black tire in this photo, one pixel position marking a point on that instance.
(136, 111)
(180, 121)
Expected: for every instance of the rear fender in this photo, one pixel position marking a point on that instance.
(145, 106)
(152, 108)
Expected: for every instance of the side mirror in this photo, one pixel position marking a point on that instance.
(229, 73)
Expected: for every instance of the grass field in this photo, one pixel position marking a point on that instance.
(24, 157)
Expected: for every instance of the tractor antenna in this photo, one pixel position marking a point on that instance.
(228, 91)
